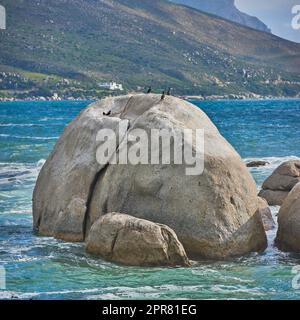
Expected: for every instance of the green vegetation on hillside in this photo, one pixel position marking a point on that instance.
(68, 47)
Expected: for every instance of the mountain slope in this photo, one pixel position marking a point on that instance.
(143, 42)
(226, 9)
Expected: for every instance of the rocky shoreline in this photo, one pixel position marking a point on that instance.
(187, 97)
(42, 99)
(237, 97)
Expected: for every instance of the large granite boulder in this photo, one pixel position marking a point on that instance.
(214, 213)
(288, 235)
(277, 187)
(137, 242)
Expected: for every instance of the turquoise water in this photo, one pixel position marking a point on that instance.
(44, 268)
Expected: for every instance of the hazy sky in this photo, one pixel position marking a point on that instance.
(276, 14)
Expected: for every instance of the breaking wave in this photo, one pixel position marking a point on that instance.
(19, 172)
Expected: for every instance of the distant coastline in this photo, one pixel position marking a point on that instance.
(184, 97)
(238, 97)
(46, 99)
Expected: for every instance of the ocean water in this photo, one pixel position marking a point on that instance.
(44, 268)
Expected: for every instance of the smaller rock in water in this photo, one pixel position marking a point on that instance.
(266, 214)
(273, 197)
(257, 163)
(288, 235)
(131, 241)
(277, 187)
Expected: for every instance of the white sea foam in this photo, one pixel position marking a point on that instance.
(20, 125)
(29, 295)
(18, 173)
(274, 162)
(27, 137)
(107, 293)
(105, 296)
(261, 173)
(51, 119)
(227, 289)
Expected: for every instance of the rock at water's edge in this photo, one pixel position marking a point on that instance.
(130, 241)
(257, 163)
(273, 198)
(214, 214)
(277, 187)
(288, 235)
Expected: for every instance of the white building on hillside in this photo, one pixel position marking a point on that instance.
(111, 86)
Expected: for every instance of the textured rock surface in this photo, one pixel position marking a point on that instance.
(273, 197)
(213, 214)
(266, 214)
(68, 177)
(288, 235)
(124, 239)
(277, 187)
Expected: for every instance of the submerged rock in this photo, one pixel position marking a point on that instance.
(257, 163)
(214, 213)
(277, 187)
(127, 240)
(288, 235)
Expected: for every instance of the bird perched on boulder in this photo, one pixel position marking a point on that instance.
(149, 90)
(163, 95)
(169, 92)
(107, 113)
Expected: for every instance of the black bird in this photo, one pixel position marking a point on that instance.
(107, 113)
(169, 92)
(163, 95)
(149, 90)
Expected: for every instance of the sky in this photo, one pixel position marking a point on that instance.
(276, 14)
